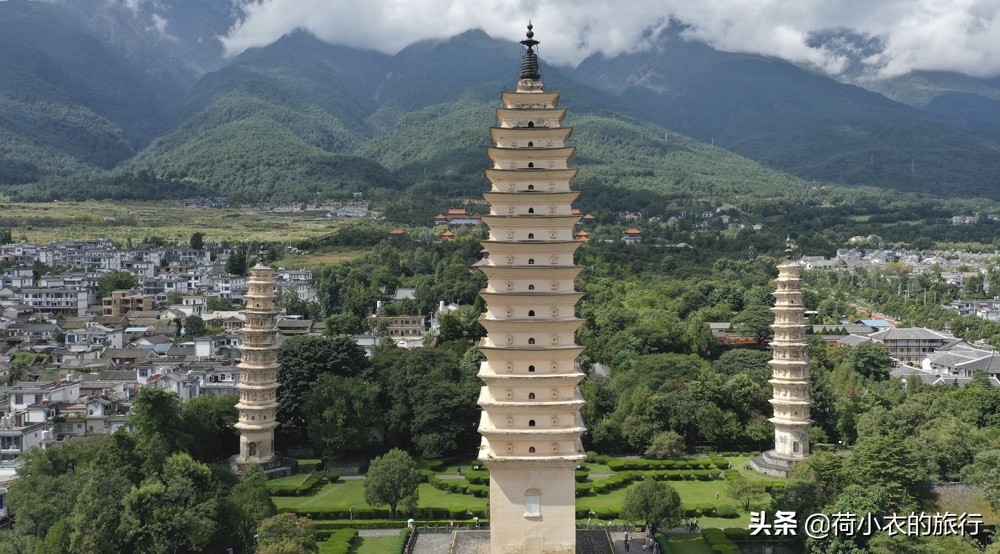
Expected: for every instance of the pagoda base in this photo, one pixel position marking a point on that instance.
(771, 463)
(275, 466)
(588, 541)
(533, 506)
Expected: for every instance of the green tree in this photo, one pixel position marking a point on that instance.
(870, 360)
(885, 459)
(340, 412)
(236, 263)
(96, 516)
(286, 534)
(209, 419)
(302, 361)
(826, 472)
(245, 507)
(743, 360)
(156, 417)
(5, 236)
(745, 491)
(392, 479)
(343, 324)
(197, 240)
(216, 304)
(116, 280)
(755, 321)
(194, 326)
(666, 445)
(426, 399)
(657, 505)
(985, 471)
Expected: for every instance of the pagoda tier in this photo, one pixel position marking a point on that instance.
(790, 367)
(527, 179)
(530, 139)
(531, 423)
(258, 367)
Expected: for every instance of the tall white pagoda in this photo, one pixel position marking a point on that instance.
(258, 384)
(531, 423)
(789, 376)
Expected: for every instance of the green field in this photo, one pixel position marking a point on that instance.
(374, 545)
(119, 221)
(345, 494)
(684, 543)
(342, 495)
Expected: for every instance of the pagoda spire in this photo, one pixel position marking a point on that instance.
(529, 60)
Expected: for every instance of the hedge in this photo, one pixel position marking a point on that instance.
(615, 482)
(310, 466)
(478, 477)
(326, 527)
(338, 542)
(581, 476)
(583, 489)
(727, 511)
(736, 533)
(401, 541)
(620, 464)
(304, 487)
(661, 540)
(595, 458)
(719, 542)
(459, 487)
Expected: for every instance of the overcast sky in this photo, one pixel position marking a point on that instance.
(960, 35)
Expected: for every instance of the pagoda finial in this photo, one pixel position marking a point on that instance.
(529, 60)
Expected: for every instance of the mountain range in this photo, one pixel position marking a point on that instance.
(125, 100)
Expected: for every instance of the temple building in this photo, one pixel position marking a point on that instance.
(258, 383)
(531, 423)
(789, 376)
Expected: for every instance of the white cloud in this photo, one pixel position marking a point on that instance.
(962, 35)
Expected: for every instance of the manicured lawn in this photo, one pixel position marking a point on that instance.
(374, 545)
(691, 492)
(293, 480)
(688, 543)
(452, 469)
(740, 461)
(598, 468)
(342, 495)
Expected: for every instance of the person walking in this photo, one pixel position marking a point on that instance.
(626, 544)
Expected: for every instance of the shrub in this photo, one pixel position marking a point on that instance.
(339, 541)
(309, 466)
(736, 533)
(583, 489)
(706, 509)
(719, 542)
(581, 476)
(332, 476)
(478, 477)
(617, 465)
(690, 510)
(731, 474)
(727, 511)
(299, 489)
(458, 512)
(400, 545)
(661, 540)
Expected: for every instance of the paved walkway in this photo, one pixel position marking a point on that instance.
(432, 543)
(379, 532)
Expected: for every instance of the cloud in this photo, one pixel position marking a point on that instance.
(960, 35)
